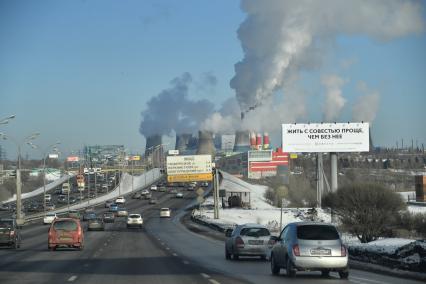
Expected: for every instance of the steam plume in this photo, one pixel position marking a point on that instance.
(334, 100)
(171, 110)
(281, 37)
(365, 108)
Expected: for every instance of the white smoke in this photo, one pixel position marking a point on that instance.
(334, 100)
(365, 108)
(279, 37)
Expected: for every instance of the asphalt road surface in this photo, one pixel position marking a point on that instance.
(164, 251)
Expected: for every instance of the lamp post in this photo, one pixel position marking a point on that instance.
(18, 145)
(44, 155)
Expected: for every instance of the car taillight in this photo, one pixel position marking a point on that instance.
(239, 242)
(296, 250)
(12, 233)
(343, 250)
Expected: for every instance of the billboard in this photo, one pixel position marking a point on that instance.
(326, 137)
(135, 158)
(173, 152)
(72, 159)
(53, 156)
(260, 156)
(189, 168)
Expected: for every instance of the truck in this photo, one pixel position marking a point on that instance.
(66, 188)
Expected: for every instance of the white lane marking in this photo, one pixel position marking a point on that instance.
(214, 281)
(174, 254)
(355, 281)
(162, 244)
(368, 280)
(72, 278)
(185, 262)
(167, 248)
(205, 275)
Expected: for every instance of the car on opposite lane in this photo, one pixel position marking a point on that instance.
(309, 246)
(153, 201)
(120, 200)
(122, 212)
(89, 216)
(179, 195)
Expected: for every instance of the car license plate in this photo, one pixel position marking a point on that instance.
(320, 251)
(255, 242)
(65, 239)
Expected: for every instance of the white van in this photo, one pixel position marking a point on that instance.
(65, 188)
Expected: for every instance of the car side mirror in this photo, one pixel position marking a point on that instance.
(228, 233)
(274, 239)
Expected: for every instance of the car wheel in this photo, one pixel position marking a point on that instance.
(275, 269)
(235, 257)
(325, 273)
(227, 254)
(291, 271)
(344, 274)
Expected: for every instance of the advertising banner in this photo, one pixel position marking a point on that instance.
(325, 137)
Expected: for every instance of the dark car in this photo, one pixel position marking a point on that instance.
(10, 234)
(89, 216)
(73, 199)
(137, 195)
(109, 217)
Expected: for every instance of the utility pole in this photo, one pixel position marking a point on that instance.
(216, 193)
(320, 179)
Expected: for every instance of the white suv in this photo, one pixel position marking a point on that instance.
(134, 220)
(48, 219)
(154, 187)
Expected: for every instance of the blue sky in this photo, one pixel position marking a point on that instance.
(82, 71)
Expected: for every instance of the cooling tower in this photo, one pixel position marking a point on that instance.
(242, 141)
(252, 140)
(151, 142)
(182, 141)
(205, 143)
(265, 141)
(259, 141)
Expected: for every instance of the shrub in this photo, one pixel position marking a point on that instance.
(365, 210)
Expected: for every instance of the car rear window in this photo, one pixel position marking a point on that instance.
(255, 232)
(317, 232)
(66, 225)
(164, 209)
(134, 216)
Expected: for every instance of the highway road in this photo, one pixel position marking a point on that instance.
(163, 252)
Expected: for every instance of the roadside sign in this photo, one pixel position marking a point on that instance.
(189, 168)
(73, 159)
(135, 158)
(190, 177)
(173, 152)
(293, 156)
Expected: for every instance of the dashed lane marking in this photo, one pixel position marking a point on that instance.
(174, 254)
(214, 281)
(185, 262)
(72, 278)
(167, 248)
(366, 280)
(205, 275)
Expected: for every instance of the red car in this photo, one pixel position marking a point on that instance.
(66, 232)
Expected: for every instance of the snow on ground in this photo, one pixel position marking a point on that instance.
(261, 211)
(402, 252)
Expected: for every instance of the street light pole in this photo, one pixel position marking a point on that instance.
(33, 136)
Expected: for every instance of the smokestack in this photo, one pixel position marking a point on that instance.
(252, 140)
(151, 142)
(265, 141)
(259, 141)
(182, 141)
(242, 141)
(205, 143)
